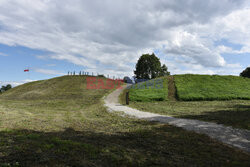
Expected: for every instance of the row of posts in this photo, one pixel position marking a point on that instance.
(80, 73)
(90, 74)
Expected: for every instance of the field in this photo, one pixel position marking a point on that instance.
(207, 87)
(59, 122)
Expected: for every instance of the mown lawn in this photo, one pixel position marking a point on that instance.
(192, 90)
(64, 124)
(211, 87)
(234, 113)
(152, 90)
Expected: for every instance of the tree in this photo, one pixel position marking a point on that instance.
(5, 88)
(2, 88)
(164, 70)
(149, 66)
(246, 73)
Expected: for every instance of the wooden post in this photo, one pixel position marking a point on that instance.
(127, 98)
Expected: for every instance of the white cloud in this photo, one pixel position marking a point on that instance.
(3, 54)
(15, 83)
(109, 36)
(48, 72)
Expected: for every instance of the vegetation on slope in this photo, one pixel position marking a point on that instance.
(207, 87)
(152, 90)
(59, 122)
(235, 113)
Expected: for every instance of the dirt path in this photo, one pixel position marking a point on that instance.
(171, 89)
(228, 135)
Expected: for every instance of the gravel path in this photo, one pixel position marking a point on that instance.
(234, 137)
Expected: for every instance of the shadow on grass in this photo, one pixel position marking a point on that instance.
(238, 116)
(161, 146)
(242, 106)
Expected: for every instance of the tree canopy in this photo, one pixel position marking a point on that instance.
(246, 73)
(149, 66)
(5, 88)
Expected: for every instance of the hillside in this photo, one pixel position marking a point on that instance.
(191, 87)
(58, 122)
(211, 87)
(66, 87)
(228, 99)
(152, 90)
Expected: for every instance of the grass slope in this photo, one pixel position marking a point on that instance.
(59, 122)
(235, 113)
(152, 90)
(206, 87)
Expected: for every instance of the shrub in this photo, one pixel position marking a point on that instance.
(246, 73)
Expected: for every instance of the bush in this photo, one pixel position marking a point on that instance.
(101, 75)
(5, 88)
(246, 73)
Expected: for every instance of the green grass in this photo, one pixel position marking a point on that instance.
(234, 113)
(152, 90)
(195, 89)
(59, 122)
(206, 87)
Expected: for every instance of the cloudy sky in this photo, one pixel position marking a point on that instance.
(52, 37)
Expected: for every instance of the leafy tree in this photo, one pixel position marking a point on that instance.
(149, 66)
(164, 70)
(246, 73)
(2, 89)
(5, 88)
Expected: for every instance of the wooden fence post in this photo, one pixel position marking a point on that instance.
(127, 98)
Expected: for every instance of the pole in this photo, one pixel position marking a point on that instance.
(127, 98)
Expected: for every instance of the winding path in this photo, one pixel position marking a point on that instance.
(235, 137)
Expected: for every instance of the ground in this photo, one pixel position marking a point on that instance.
(196, 89)
(59, 122)
(235, 113)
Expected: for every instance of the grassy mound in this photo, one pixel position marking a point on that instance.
(152, 90)
(67, 87)
(207, 87)
(58, 122)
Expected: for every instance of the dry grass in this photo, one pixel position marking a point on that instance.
(68, 126)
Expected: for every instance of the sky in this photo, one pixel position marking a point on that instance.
(52, 37)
